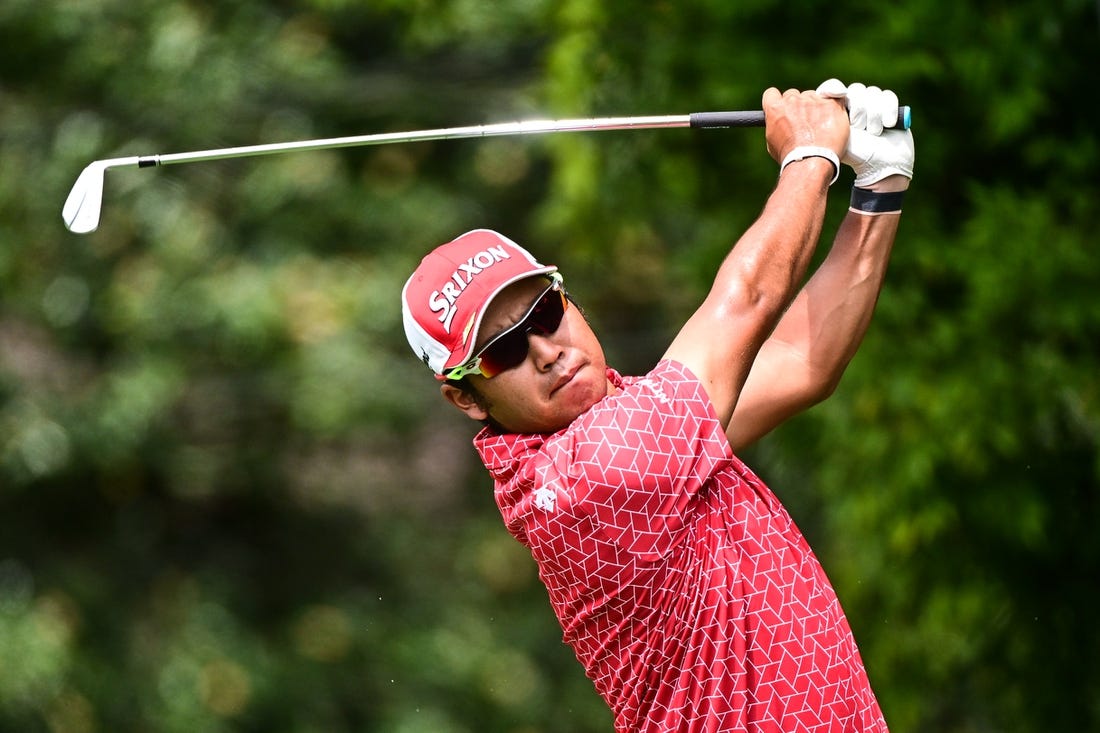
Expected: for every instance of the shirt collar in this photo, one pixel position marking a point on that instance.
(504, 453)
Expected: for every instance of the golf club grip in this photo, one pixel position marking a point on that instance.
(755, 118)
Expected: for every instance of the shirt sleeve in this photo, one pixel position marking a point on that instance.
(638, 461)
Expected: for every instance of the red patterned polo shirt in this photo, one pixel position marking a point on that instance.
(679, 580)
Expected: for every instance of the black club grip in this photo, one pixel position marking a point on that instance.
(755, 118)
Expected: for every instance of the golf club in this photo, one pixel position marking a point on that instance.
(82, 207)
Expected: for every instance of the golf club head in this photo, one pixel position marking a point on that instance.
(82, 207)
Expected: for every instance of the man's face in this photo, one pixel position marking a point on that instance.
(563, 375)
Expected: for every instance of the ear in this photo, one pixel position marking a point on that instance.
(464, 401)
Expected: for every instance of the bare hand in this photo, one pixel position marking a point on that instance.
(794, 119)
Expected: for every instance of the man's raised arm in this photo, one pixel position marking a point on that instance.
(755, 284)
(803, 360)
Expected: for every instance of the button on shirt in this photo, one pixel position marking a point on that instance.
(679, 580)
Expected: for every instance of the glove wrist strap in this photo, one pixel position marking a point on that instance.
(874, 203)
(812, 151)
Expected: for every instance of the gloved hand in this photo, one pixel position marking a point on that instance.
(873, 151)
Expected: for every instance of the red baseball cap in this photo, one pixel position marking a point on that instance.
(444, 300)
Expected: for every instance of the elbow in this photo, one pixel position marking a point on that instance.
(825, 390)
(764, 290)
(748, 301)
(823, 383)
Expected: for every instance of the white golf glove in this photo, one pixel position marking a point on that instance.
(874, 152)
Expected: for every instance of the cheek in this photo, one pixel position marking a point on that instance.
(576, 332)
(588, 388)
(508, 396)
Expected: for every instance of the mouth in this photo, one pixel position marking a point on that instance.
(565, 378)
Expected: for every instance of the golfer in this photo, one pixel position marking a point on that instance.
(679, 580)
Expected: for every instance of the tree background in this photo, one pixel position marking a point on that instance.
(232, 500)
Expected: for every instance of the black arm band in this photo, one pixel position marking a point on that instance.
(873, 202)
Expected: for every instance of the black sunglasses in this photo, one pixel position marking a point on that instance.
(509, 348)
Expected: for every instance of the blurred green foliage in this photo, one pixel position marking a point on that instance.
(231, 500)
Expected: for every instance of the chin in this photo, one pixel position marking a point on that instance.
(585, 390)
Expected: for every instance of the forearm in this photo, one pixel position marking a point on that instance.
(754, 286)
(827, 321)
(770, 259)
(803, 360)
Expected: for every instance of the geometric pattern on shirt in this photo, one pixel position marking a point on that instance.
(682, 584)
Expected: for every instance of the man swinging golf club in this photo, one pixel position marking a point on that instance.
(680, 582)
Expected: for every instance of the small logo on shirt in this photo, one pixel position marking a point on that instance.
(545, 499)
(659, 393)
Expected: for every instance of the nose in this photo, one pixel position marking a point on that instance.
(543, 350)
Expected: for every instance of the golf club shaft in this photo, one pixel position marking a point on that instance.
(712, 119)
(82, 207)
(697, 120)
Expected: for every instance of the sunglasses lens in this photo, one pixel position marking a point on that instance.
(510, 348)
(547, 313)
(504, 353)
